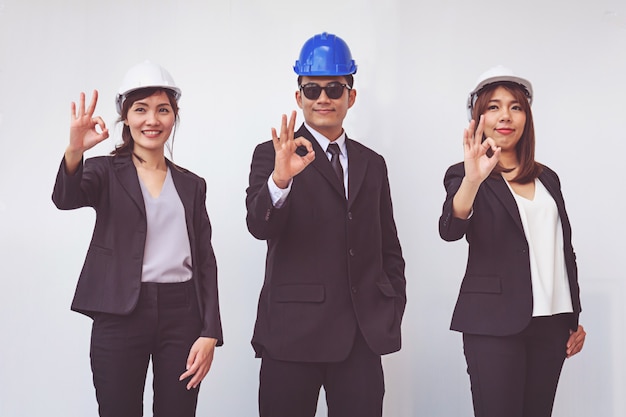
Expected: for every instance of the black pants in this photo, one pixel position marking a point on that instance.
(517, 376)
(163, 326)
(354, 387)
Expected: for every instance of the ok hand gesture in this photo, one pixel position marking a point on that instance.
(83, 132)
(478, 164)
(288, 162)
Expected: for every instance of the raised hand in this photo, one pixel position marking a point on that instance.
(83, 132)
(478, 163)
(288, 163)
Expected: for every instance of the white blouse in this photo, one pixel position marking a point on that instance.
(544, 233)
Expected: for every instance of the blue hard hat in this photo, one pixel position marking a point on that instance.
(325, 54)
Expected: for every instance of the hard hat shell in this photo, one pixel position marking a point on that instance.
(497, 74)
(325, 54)
(144, 75)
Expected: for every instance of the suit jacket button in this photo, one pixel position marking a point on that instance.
(354, 290)
(349, 215)
(351, 252)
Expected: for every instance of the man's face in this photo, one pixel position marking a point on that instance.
(325, 114)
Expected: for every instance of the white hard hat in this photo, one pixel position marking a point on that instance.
(144, 75)
(497, 74)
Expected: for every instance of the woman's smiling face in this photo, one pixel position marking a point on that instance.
(505, 119)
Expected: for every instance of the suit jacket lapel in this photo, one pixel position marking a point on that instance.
(553, 189)
(321, 162)
(357, 166)
(503, 193)
(127, 176)
(186, 191)
(552, 185)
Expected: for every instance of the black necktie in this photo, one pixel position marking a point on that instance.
(333, 149)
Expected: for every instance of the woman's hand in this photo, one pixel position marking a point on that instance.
(199, 361)
(478, 164)
(576, 341)
(86, 131)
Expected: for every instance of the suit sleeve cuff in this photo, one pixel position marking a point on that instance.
(278, 195)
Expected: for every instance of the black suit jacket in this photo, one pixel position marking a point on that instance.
(496, 292)
(110, 279)
(332, 265)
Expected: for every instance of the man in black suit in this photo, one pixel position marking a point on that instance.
(334, 291)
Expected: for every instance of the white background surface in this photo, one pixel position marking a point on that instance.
(233, 60)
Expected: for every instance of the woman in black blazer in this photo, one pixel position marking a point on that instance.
(519, 301)
(149, 280)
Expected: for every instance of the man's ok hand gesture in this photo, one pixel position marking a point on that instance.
(288, 162)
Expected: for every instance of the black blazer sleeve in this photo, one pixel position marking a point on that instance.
(205, 269)
(264, 221)
(80, 189)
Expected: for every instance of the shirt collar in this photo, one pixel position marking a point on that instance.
(323, 140)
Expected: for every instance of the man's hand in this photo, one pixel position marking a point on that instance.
(288, 163)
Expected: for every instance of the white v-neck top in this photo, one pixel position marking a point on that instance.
(544, 233)
(167, 254)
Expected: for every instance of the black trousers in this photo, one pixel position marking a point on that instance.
(354, 387)
(517, 376)
(163, 327)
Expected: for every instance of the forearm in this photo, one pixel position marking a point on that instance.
(73, 159)
(264, 219)
(263, 214)
(463, 200)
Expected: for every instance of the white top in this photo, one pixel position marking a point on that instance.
(544, 233)
(167, 254)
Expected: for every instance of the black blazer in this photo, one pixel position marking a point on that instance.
(332, 265)
(496, 292)
(110, 279)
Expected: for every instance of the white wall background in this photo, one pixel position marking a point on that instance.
(417, 61)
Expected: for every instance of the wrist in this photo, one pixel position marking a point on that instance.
(73, 153)
(473, 183)
(280, 182)
(72, 159)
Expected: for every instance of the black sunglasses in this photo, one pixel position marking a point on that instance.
(333, 90)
